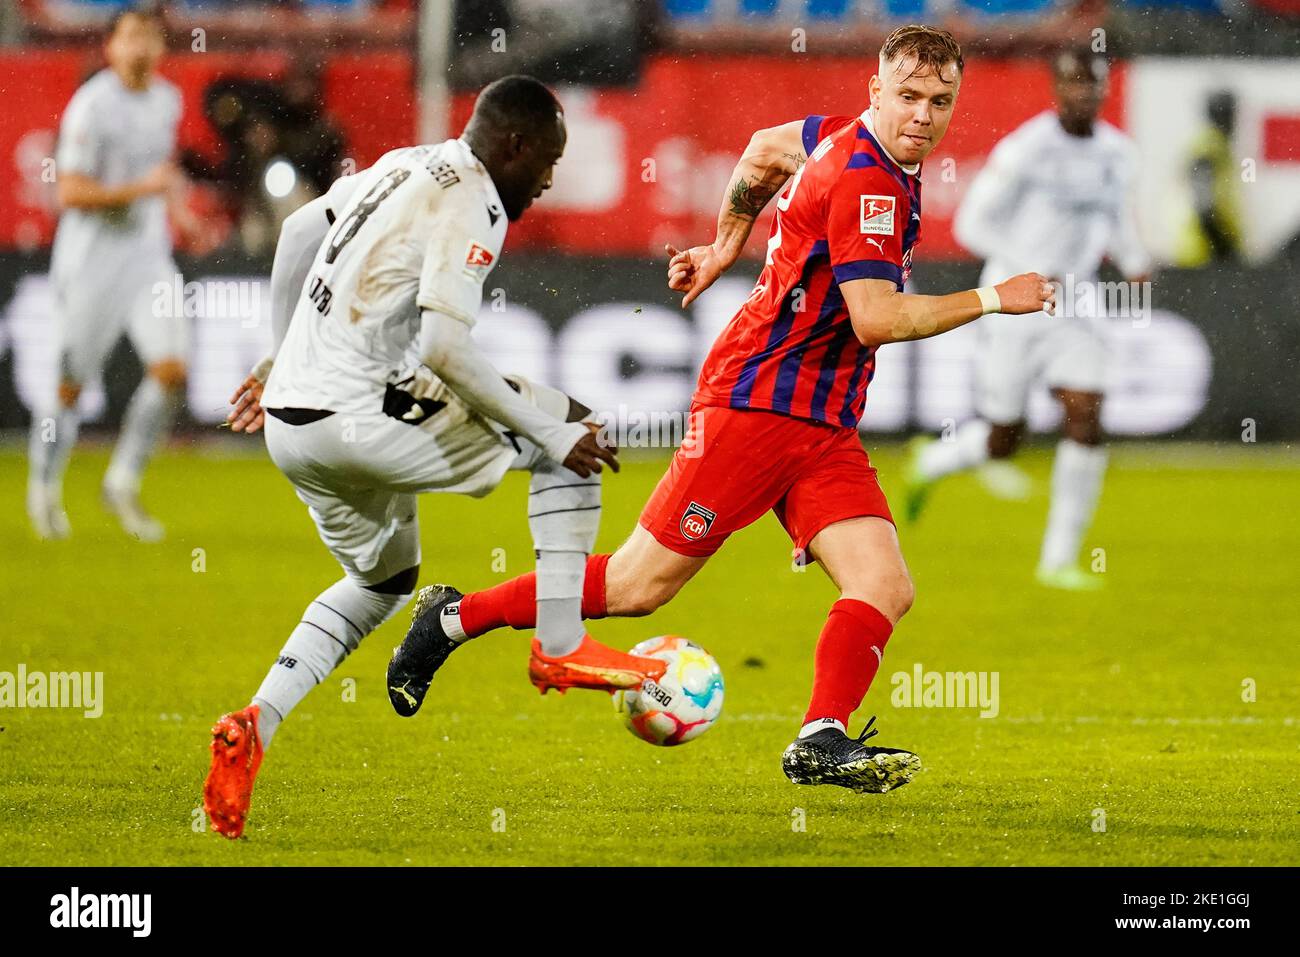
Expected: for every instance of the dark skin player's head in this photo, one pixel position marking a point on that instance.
(1221, 108)
(1079, 78)
(517, 132)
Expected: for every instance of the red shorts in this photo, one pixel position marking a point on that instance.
(736, 464)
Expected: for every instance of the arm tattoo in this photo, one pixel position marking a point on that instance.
(749, 199)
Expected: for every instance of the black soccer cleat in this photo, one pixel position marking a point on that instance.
(831, 757)
(423, 650)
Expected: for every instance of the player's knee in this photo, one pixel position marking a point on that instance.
(891, 593)
(69, 393)
(403, 583)
(900, 592)
(1004, 440)
(1084, 429)
(168, 373)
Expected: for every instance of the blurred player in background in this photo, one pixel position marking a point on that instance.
(1056, 197)
(377, 392)
(1214, 180)
(774, 417)
(117, 185)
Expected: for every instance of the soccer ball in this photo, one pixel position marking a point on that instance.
(681, 705)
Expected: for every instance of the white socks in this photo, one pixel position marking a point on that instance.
(50, 446)
(147, 417)
(1076, 485)
(563, 515)
(559, 601)
(52, 437)
(821, 724)
(967, 448)
(331, 628)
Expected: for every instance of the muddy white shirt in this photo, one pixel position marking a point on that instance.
(421, 229)
(115, 135)
(1053, 203)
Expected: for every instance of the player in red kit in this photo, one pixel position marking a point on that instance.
(774, 418)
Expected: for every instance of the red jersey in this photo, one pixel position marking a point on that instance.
(851, 212)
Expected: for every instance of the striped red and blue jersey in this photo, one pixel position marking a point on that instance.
(851, 212)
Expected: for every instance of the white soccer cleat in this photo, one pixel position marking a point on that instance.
(45, 509)
(1004, 480)
(135, 521)
(1069, 578)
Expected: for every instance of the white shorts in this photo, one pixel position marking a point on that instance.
(359, 475)
(96, 305)
(1014, 352)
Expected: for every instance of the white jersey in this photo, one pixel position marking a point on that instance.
(115, 135)
(1055, 204)
(421, 229)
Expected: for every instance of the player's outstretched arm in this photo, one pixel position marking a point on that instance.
(881, 314)
(771, 158)
(451, 352)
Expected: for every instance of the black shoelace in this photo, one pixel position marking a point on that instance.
(868, 732)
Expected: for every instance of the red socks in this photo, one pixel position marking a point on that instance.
(514, 603)
(846, 661)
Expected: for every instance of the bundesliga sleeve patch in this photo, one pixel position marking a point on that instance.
(478, 260)
(877, 215)
(478, 255)
(696, 521)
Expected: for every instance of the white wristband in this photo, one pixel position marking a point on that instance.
(990, 301)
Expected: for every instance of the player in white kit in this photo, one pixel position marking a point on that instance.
(115, 181)
(377, 392)
(1056, 197)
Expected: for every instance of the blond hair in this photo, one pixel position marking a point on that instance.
(932, 48)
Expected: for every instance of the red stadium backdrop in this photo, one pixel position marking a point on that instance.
(370, 96)
(690, 117)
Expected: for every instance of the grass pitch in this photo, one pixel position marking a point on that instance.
(1121, 710)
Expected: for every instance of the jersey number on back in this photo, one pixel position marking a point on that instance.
(361, 212)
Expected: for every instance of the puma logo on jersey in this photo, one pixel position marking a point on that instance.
(878, 243)
(877, 215)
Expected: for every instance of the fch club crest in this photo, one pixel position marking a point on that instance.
(696, 521)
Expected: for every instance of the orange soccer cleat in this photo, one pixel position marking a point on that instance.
(591, 665)
(236, 757)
